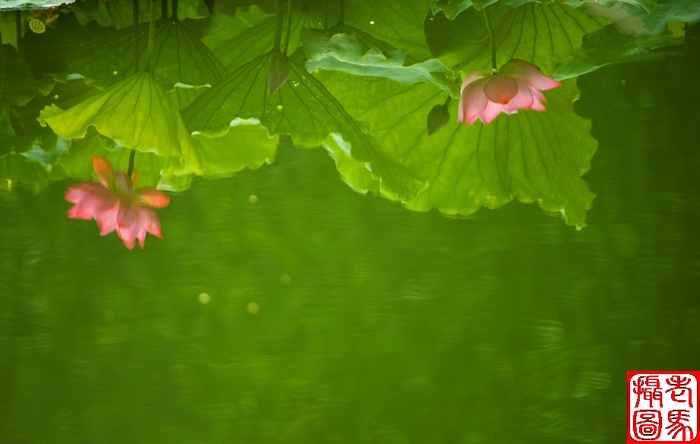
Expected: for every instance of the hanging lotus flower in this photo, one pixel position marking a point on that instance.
(116, 205)
(517, 85)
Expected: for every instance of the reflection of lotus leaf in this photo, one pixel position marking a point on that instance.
(135, 112)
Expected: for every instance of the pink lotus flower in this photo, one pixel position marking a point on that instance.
(516, 86)
(116, 205)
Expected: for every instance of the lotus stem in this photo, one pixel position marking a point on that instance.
(18, 28)
(325, 15)
(289, 25)
(279, 24)
(494, 67)
(164, 9)
(151, 35)
(2, 66)
(136, 35)
(341, 14)
(132, 156)
(174, 16)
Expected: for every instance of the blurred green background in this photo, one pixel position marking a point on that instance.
(375, 324)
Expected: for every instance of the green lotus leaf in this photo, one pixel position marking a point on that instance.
(353, 172)
(106, 56)
(245, 145)
(120, 13)
(546, 35)
(452, 8)
(19, 170)
(634, 21)
(398, 23)
(607, 46)
(349, 53)
(530, 156)
(9, 5)
(18, 87)
(302, 107)
(135, 112)
(217, 29)
(251, 42)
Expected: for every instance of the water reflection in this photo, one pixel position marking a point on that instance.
(337, 317)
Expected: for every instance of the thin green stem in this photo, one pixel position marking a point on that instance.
(341, 14)
(2, 66)
(289, 25)
(136, 35)
(279, 10)
(132, 156)
(18, 26)
(151, 36)
(174, 16)
(325, 15)
(164, 9)
(493, 44)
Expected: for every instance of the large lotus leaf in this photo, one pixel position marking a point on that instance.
(17, 169)
(607, 46)
(353, 172)
(120, 13)
(106, 56)
(545, 35)
(18, 86)
(530, 156)
(399, 23)
(218, 28)
(8, 5)
(302, 107)
(348, 52)
(237, 51)
(452, 8)
(135, 112)
(76, 161)
(633, 21)
(245, 145)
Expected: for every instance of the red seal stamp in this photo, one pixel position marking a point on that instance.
(662, 407)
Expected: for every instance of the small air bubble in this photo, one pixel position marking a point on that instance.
(279, 107)
(253, 308)
(253, 198)
(115, 73)
(371, 22)
(204, 298)
(55, 97)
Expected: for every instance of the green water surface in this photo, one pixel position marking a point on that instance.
(337, 317)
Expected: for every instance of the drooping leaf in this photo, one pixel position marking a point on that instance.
(634, 21)
(135, 112)
(106, 56)
(545, 35)
(245, 145)
(349, 53)
(607, 46)
(530, 156)
(302, 107)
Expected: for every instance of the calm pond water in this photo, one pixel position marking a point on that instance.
(315, 314)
